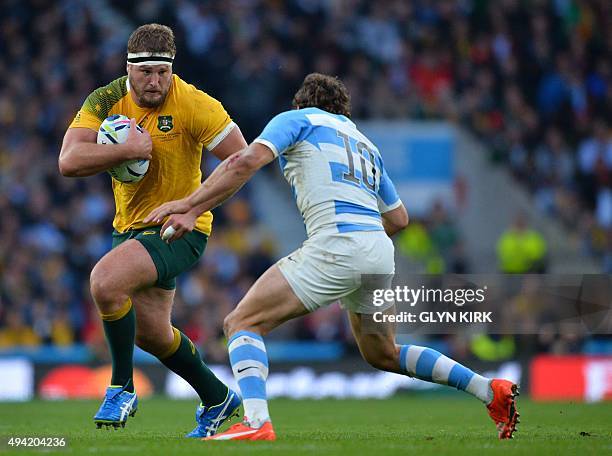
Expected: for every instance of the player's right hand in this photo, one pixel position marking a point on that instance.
(171, 207)
(138, 145)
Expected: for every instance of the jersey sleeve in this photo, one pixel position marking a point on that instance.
(210, 122)
(98, 105)
(387, 196)
(282, 132)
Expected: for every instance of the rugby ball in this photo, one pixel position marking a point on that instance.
(114, 130)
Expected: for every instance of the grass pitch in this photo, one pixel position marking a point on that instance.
(419, 425)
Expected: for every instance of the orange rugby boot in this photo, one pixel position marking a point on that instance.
(243, 431)
(502, 408)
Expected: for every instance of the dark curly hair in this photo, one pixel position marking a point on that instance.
(152, 38)
(324, 92)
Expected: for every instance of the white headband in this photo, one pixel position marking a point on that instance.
(150, 58)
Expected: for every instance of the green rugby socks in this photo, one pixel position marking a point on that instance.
(120, 331)
(181, 357)
(184, 359)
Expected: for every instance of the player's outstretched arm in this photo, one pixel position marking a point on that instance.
(81, 156)
(230, 176)
(225, 180)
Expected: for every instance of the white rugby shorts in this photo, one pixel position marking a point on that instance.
(341, 266)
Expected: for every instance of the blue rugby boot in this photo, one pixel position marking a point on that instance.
(209, 419)
(118, 404)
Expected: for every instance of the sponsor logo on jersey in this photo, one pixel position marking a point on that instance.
(164, 123)
(147, 233)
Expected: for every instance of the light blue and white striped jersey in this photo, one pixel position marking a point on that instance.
(337, 175)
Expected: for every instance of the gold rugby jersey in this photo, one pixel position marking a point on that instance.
(187, 121)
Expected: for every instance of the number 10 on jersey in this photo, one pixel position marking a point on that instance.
(362, 151)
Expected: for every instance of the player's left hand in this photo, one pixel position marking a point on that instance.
(180, 224)
(171, 207)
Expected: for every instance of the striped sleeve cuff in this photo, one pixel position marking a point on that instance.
(384, 208)
(268, 144)
(221, 136)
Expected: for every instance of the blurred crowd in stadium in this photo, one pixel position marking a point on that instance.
(531, 79)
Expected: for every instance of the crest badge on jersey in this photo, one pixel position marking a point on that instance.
(164, 123)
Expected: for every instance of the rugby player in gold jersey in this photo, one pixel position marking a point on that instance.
(133, 285)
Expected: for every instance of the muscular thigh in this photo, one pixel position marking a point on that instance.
(170, 260)
(128, 267)
(268, 303)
